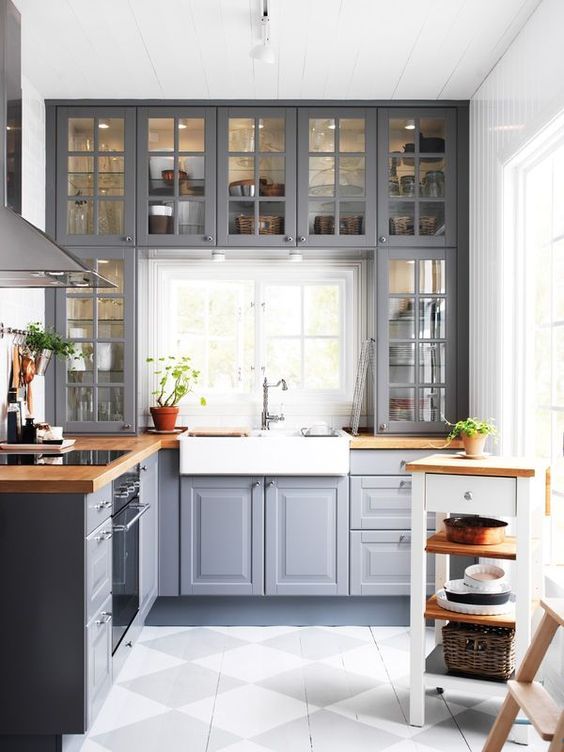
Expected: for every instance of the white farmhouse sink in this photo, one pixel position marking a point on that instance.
(272, 452)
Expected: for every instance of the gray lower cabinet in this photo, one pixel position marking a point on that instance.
(98, 568)
(380, 562)
(307, 536)
(221, 535)
(99, 659)
(149, 533)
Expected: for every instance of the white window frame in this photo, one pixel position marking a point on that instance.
(351, 275)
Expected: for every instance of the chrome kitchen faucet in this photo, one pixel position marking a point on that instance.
(266, 417)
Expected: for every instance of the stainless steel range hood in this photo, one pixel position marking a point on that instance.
(28, 257)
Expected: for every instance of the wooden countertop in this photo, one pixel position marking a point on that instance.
(510, 467)
(83, 478)
(387, 441)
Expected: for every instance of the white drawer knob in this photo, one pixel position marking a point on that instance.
(468, 496)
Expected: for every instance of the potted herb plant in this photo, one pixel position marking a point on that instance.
(473, 433)
(176, 379)
(43, 344)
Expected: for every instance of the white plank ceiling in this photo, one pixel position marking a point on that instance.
(325, 49)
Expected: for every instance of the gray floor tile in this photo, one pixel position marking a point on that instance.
(171, 732)
(331, 732)
(197, 643)
(180, 685)
(288, 737)
(314, 643)
(475, 727)
(444, 737)
(319, 684)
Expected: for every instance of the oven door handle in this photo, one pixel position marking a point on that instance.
(124, 528)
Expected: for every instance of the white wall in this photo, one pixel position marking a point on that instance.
(19, 307)
(523, 93)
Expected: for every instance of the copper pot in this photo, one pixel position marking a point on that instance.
(474, 530)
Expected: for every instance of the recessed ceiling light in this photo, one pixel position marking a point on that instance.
(103, 261)
(409, 125)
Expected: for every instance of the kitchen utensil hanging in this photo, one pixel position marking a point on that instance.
(365, 361)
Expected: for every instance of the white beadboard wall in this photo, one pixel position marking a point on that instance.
(523, 92)
(19, 307)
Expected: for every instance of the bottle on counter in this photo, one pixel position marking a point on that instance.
(14, 417)
(29, 432)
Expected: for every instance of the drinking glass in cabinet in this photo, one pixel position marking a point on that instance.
(393, 178)
(80, 322)
(191, 217)
(402, 217)
(191, 176)
(110, 218)
(322, 176)
(322, 134)
(241, 134)
(432, 404)
(110, 317)
(109, 362)
(80, 216)
(191, 134)
(111, 134)
(432, 318)
(431, 218)
(110, 176)
(401, 274)
(432, 363)
(241, 176)
(271, 176)
(80, 134)
(80, 404)
(321, 218)
(271, 217)
(80, 176)
(351, 135)
(110, 403)
(432, 177)
(161, 134)
(402, 362)
(80, 368)
(401, 135)
(401, 318)
(161, 176)
(402, 404)
(432, 276)
(271, 134)
(351, 176)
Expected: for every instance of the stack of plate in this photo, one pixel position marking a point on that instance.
(483, 591)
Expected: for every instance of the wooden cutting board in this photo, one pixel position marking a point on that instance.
(223, 431)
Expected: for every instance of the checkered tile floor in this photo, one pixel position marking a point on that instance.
(280, 689)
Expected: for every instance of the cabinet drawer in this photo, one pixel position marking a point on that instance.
(98, 507)
(385, 461)
(98, 568)
(99, 659)
(380, 563)
(380, 502)
(470, 494)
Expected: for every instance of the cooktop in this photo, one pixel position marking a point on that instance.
(74, 457)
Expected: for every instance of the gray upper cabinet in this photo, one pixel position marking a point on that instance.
(95, 391)
(95, 176)
(221, 536)
(417, 177)
(257, 177)
(307, 522)
(176, 176)
(416, 325)
(337, 177)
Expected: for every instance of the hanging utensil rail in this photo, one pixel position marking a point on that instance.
(10, 331)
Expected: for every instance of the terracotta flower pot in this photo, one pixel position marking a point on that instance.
(474, 445)
(164, 418)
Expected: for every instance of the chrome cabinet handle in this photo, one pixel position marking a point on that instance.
(107, 617)
(289, 239)
(405, 538)
(382, 239)
(257, 483)
(128, 239)
(106, 535)
(126, 426)
(209, 238)
(103, 505)
(302, 239)
(271, 483)
(124, 528)
(405, 484)
(468, 496)
(403, 464)
(144, 468)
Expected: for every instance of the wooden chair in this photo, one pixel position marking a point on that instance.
(530, 696)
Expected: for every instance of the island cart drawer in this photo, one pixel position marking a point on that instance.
(470, 494)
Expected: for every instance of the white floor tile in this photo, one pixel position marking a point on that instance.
(152, 633)
(144, 661)
(245, 746)
(123, 708)
(254, 634)
(365, 660)
(252, 663)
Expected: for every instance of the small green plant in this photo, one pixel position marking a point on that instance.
(471, 427)
(38, 339)
(177, 378)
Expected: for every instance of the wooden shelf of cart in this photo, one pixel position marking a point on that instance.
(497, 486)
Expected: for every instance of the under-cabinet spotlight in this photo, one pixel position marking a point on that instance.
(332, 126)
(409, 125)
(103, 124)
(218, 256)
(295, 256)
(263, 51)
(182, 126)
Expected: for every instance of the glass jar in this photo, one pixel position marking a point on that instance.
(434, 184)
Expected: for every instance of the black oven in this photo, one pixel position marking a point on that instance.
(125, 552)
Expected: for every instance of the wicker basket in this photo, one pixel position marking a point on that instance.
(267, 225)
(401, 225)
(271, 189)
(477, 650)
(324, 224)
(427, 225)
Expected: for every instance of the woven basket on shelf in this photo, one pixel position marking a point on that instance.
(267, 225)
(427, 225)
(478, 650)
(401, 225)
(324, 224)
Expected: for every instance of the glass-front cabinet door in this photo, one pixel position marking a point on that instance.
(95, 176)
(257, 177)
(336, 177)
(176, 168)
(95, 389)
(417, 177)
(416, 340)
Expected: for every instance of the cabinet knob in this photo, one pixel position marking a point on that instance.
(256, 484)
(271, 483)
(289, 239)
(209, 238)
(302, 239)
(144, 468)
(128, 239)
(382, 239)
(126, 426)
(383, 426)
(468, 496)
